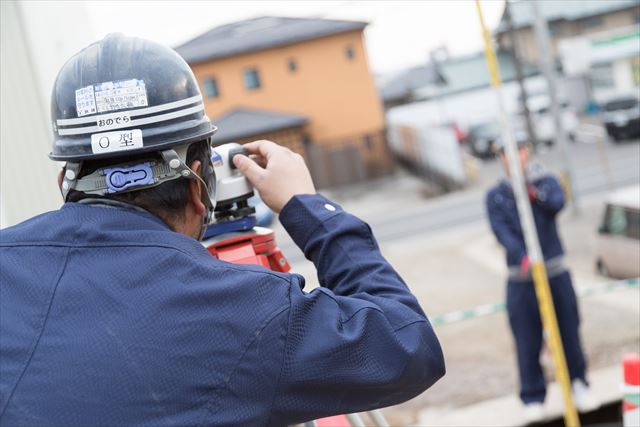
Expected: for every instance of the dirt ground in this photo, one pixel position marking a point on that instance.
(463, 267)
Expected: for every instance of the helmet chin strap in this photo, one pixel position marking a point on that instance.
(140, 175)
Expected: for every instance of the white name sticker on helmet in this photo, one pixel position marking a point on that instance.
(123, 140)
(113, 120)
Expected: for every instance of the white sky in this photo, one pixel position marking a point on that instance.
(400, 35)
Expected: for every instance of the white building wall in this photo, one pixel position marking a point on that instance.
(36, 37)
(467, 108)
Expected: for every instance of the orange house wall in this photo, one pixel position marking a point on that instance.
(336, 94)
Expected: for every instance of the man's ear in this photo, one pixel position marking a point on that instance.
(195, 190)
(60, 178)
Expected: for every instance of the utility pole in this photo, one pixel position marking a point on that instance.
(548, 69)
(513, 50)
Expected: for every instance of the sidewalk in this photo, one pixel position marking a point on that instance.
(507, 411)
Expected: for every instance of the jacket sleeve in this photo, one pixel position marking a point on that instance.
(361, 340)
(503, 230)
(549, 194)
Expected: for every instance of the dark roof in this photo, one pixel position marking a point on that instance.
(522, 11)
(405, 83)
(246, 122)
(455, 75)
(470, 71)
(260, 33)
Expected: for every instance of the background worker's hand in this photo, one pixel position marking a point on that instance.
(525, 264)
(276, 172)
(532, 191)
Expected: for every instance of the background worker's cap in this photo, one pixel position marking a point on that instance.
(122, 96)
(520, 136)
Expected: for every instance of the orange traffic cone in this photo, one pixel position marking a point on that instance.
(631, 402)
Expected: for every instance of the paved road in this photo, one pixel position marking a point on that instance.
(426, 216)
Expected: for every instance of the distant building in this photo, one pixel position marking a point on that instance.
(402, 88)
(597, 42)
(566, 19)
(451, 76)
(302, 82)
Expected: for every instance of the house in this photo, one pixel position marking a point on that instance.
(302, 82)
(565, 19)
(596, 42)
(447, 77)
(401, 89)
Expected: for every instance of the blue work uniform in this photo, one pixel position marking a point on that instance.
(110, 318)
(522, 304)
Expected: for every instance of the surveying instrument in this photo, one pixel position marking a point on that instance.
(235, 237)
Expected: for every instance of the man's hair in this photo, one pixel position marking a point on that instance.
(166, 200)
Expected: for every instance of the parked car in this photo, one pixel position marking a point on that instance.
(618, 248)
(621, 117)
(483, 139)
(543, 123)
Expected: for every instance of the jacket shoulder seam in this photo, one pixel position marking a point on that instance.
(40, 333)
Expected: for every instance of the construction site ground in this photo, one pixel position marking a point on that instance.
(460, 266)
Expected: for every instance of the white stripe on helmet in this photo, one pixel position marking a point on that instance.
(134, 123)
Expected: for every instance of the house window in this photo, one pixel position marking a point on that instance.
(211, 88)
(591, 22)
(602, 76)
(635, 69)
(368, 142)
(251, 79)
(556, 28)
(293, 65)
(349, 52)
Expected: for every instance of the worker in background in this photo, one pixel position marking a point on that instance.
(112, 313)
(547, 200)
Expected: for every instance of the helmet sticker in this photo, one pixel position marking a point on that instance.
(111, 96)
(85, 101)
(123, 140)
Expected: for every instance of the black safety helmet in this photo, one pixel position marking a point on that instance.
(125, 83)
(120, 97)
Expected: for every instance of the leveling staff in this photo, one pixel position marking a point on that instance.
(112, 312)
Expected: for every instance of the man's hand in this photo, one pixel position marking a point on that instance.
(276, 172)
(532, 191)
(525, 264)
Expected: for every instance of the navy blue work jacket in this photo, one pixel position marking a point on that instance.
(505, 223)
(110, 318)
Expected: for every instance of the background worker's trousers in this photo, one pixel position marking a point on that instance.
(524, 318)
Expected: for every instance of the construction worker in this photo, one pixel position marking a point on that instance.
(547, 200)
(112, 313)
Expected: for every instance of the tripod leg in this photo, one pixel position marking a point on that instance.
(378, 418)
(355, 420)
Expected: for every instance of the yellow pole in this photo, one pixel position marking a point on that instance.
(541, 282)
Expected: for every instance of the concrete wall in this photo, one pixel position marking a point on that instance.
(338, 95)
